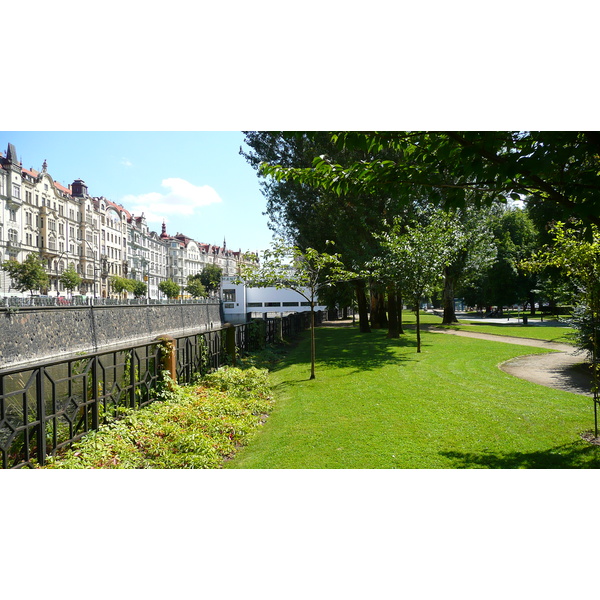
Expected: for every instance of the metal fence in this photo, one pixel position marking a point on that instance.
(47, 407)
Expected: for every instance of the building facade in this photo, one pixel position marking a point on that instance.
(66, 226)
(239, 301)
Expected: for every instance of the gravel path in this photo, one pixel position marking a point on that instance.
(560, 369)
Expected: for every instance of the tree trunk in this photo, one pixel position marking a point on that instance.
(448, 299)
(378, 314)
(393, 331)
(363, 313)
(418, 324)
(312, 340)
(532, 304)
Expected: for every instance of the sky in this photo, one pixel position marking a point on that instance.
(196, 182)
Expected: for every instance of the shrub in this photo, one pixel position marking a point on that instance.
(197, 428)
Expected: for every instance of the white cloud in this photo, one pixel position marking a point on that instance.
(182, 199)
(126, 162)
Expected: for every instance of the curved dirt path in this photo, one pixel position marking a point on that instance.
(559, 370)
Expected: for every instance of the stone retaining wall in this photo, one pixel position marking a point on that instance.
(34, 334)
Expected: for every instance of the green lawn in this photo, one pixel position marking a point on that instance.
(376, 403)
(552, 331)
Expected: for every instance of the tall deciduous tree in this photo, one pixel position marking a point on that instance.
(308, 216)
(210, 277)
(306, 271)
(472, 251)
(556, 168)
(415, 254)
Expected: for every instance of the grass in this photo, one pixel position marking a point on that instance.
(377, 404)
(551, 331)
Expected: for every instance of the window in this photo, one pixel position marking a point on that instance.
(16, 191)
(254, 304)
(12, 214)
(12, 235)
(272, 303)
(304, 303)
(290, 303)
(229, 295)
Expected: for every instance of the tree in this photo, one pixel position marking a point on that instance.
(578, 258)
(556, 168)
(195, 288)
(28, 275)
(305, 271)
(139, 288)
(121, 285)
(472, 251)
(414, 254)
(310, 216)
(502, 283)
(169, 288)
(210, 278)
(70, 279)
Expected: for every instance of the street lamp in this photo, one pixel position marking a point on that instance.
(94, 259)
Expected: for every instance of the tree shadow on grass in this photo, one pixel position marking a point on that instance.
(577, 455)
(347, 347)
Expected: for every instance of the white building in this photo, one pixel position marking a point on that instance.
(238, 301)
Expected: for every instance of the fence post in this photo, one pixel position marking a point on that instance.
(41, 418)
(230, 341)
(169, 355)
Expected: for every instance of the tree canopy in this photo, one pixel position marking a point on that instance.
(307, 271)
(556, 168)
(28, 275)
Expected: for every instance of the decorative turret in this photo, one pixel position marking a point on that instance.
(78, 188)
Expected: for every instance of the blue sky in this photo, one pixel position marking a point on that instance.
(196, 181)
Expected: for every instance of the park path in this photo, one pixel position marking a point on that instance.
(559, 370)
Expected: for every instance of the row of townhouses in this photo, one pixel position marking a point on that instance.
(67, 226)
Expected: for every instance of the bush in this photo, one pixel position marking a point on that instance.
(582, 322)
(197, 428)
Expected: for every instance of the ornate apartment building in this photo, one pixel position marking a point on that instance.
(67, 226)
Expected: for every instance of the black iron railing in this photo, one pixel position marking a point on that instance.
(47, 407)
